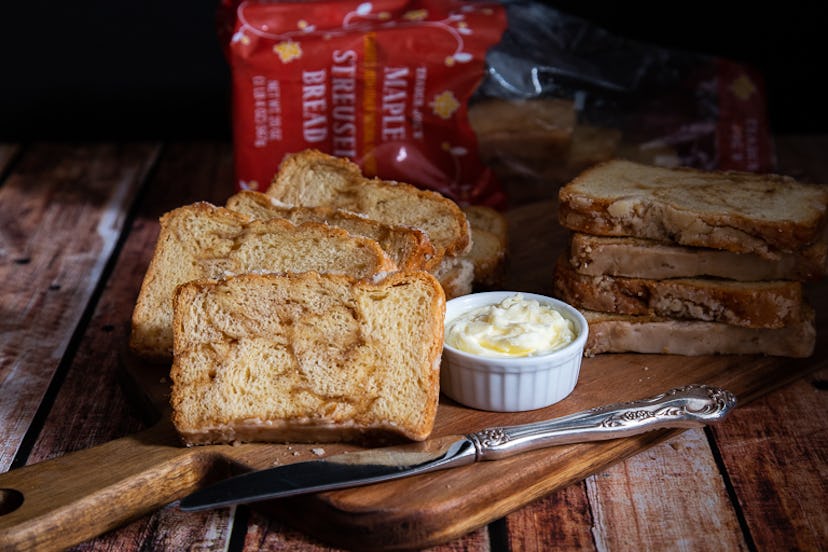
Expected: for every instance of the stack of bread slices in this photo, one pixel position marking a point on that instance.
(690, 262)
(311, 179)
(313, 312)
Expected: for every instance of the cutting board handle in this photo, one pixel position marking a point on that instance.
(61, 502)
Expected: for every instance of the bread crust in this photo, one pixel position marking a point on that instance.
(205, 241)
(735, 211)
(643, 258)
(766, 304)
(610, 333)
(409, 247)
(312, 178)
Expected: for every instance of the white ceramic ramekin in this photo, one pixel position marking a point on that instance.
(511, 384)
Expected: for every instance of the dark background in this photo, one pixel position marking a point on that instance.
(154, 69)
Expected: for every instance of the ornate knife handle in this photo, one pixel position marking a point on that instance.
(690, 406)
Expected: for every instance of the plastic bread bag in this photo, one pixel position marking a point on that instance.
(493, 103)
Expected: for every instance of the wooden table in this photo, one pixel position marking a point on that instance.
(78, 225)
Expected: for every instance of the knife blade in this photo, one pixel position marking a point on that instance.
(689, 406)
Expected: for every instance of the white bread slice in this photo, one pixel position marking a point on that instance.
(307, 358)
(204, 241)
(616, 333)
(408, 247)
(763, 304)
(642, 258)
(740, 212)
(311, 178)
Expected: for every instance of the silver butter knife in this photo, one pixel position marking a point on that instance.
(690, 406)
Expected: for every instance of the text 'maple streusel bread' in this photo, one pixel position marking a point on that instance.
(408, 247)
(307, 357)
(734, 211)
(205, 241)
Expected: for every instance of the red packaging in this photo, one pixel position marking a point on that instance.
(384, 83)
(392, 85)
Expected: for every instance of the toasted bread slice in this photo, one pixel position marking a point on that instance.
(312, 179)
(408, 247)
(735, 211)
(617, 333)
(204, 241)
(307, 358)
(642, 258)
(764, 304)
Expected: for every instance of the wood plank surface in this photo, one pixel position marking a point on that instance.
(435, 508)
(641, 502)
(80, 419)
(646, 503)
(784, 434)
(62, 209)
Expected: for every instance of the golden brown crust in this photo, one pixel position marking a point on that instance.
(409, 247)
(736, 211)
(767, 304)
(205, 241)
(312, 178)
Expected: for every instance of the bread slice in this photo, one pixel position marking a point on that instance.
(408, 247)
(456, 275)
(488, 255)
(483, 217)
(204, 241)
(764, 304)
(307, 358)
(490, 244)
(311, 178)
(616, 333)
(637, 257)
(740, 212)
(534, 129)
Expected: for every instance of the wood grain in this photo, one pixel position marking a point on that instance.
(561, 520)
(646, 503)
(79, 419)
(63, 208)
(612, 507)
(783, 435)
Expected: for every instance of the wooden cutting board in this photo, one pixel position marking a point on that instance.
(60, 502)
